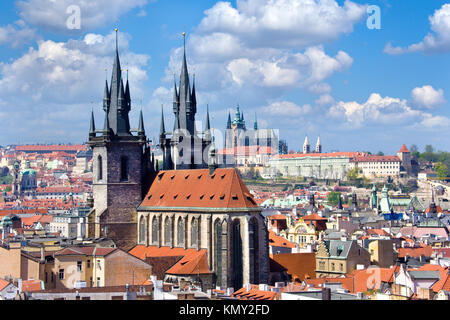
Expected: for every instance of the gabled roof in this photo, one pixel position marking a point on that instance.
(278, 241)
(85, 251)
(3, 284)
(192, 262)
(224, 190)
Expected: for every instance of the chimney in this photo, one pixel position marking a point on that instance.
(42, 254)
(326, 294)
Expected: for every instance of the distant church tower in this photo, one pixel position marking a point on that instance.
(306, 146)
(187, 147)
(318, 146)
(121, 166)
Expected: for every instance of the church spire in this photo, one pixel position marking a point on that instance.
(162, 131)
(229, 121)
(194, 97)
(119, 104)
(127, 95)
(207, 126)
(106, 97)
(92, 129)
(141, 129)
(256, 123)
(106, 127)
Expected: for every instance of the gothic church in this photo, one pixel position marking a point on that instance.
(189, 205)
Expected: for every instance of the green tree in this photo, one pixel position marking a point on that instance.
(353, 175)
(442, 170)
(380, 153)
(333, 198)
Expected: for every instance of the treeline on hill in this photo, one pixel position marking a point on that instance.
(439, 159)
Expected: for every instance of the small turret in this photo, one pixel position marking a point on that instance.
(92, 128)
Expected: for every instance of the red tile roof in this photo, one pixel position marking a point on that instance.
(300, 266)
(198, 189)
(375, 158)
(31, 285)
(415, 252)
(193, 261)
(254, 294)
(314, 217)
(49, 148)
(378, 232)
(3, 284)
(278, 241)
(247, 151)
(404, 149)
(321, 155)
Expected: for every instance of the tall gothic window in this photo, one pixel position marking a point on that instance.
(218, 252)
(155, 231)
(142, 230)
(180, 232)
(124, 169)
(194, 232)
(99, 168)
(168, 232)
(237, 254)
(255, 246)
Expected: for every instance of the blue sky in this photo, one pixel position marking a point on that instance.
(302, 71)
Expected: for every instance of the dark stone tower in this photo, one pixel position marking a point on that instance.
(122, 166)
(186, 148)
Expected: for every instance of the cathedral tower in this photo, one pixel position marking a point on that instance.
(122, 168)
(187, 148)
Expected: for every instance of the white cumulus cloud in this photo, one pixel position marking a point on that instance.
(436, 41)
(427, 97)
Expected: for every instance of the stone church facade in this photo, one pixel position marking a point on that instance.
(211, 210)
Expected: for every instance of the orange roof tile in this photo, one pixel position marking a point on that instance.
(193, 261)
(314, 217)
(299, 265)
(254, 294)
(278, 241)
(3, 284)
(415, 252)
(404, 149)
(321, 155)
(31, 285)
(224, 189)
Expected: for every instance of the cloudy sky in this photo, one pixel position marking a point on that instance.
(306, 67)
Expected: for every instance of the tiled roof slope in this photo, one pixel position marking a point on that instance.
(224, 189)
(192, 262)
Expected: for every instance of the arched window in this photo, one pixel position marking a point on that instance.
(218, 252)
(155, 231)
(99, 168)
(168, 231)
(194, 232)
(253, 228)
(142, 230)
(236, 252)
(180, 232)
(124, 169)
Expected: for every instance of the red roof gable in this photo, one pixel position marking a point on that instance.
(223, 189)
(404, 149)
(193, 261)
